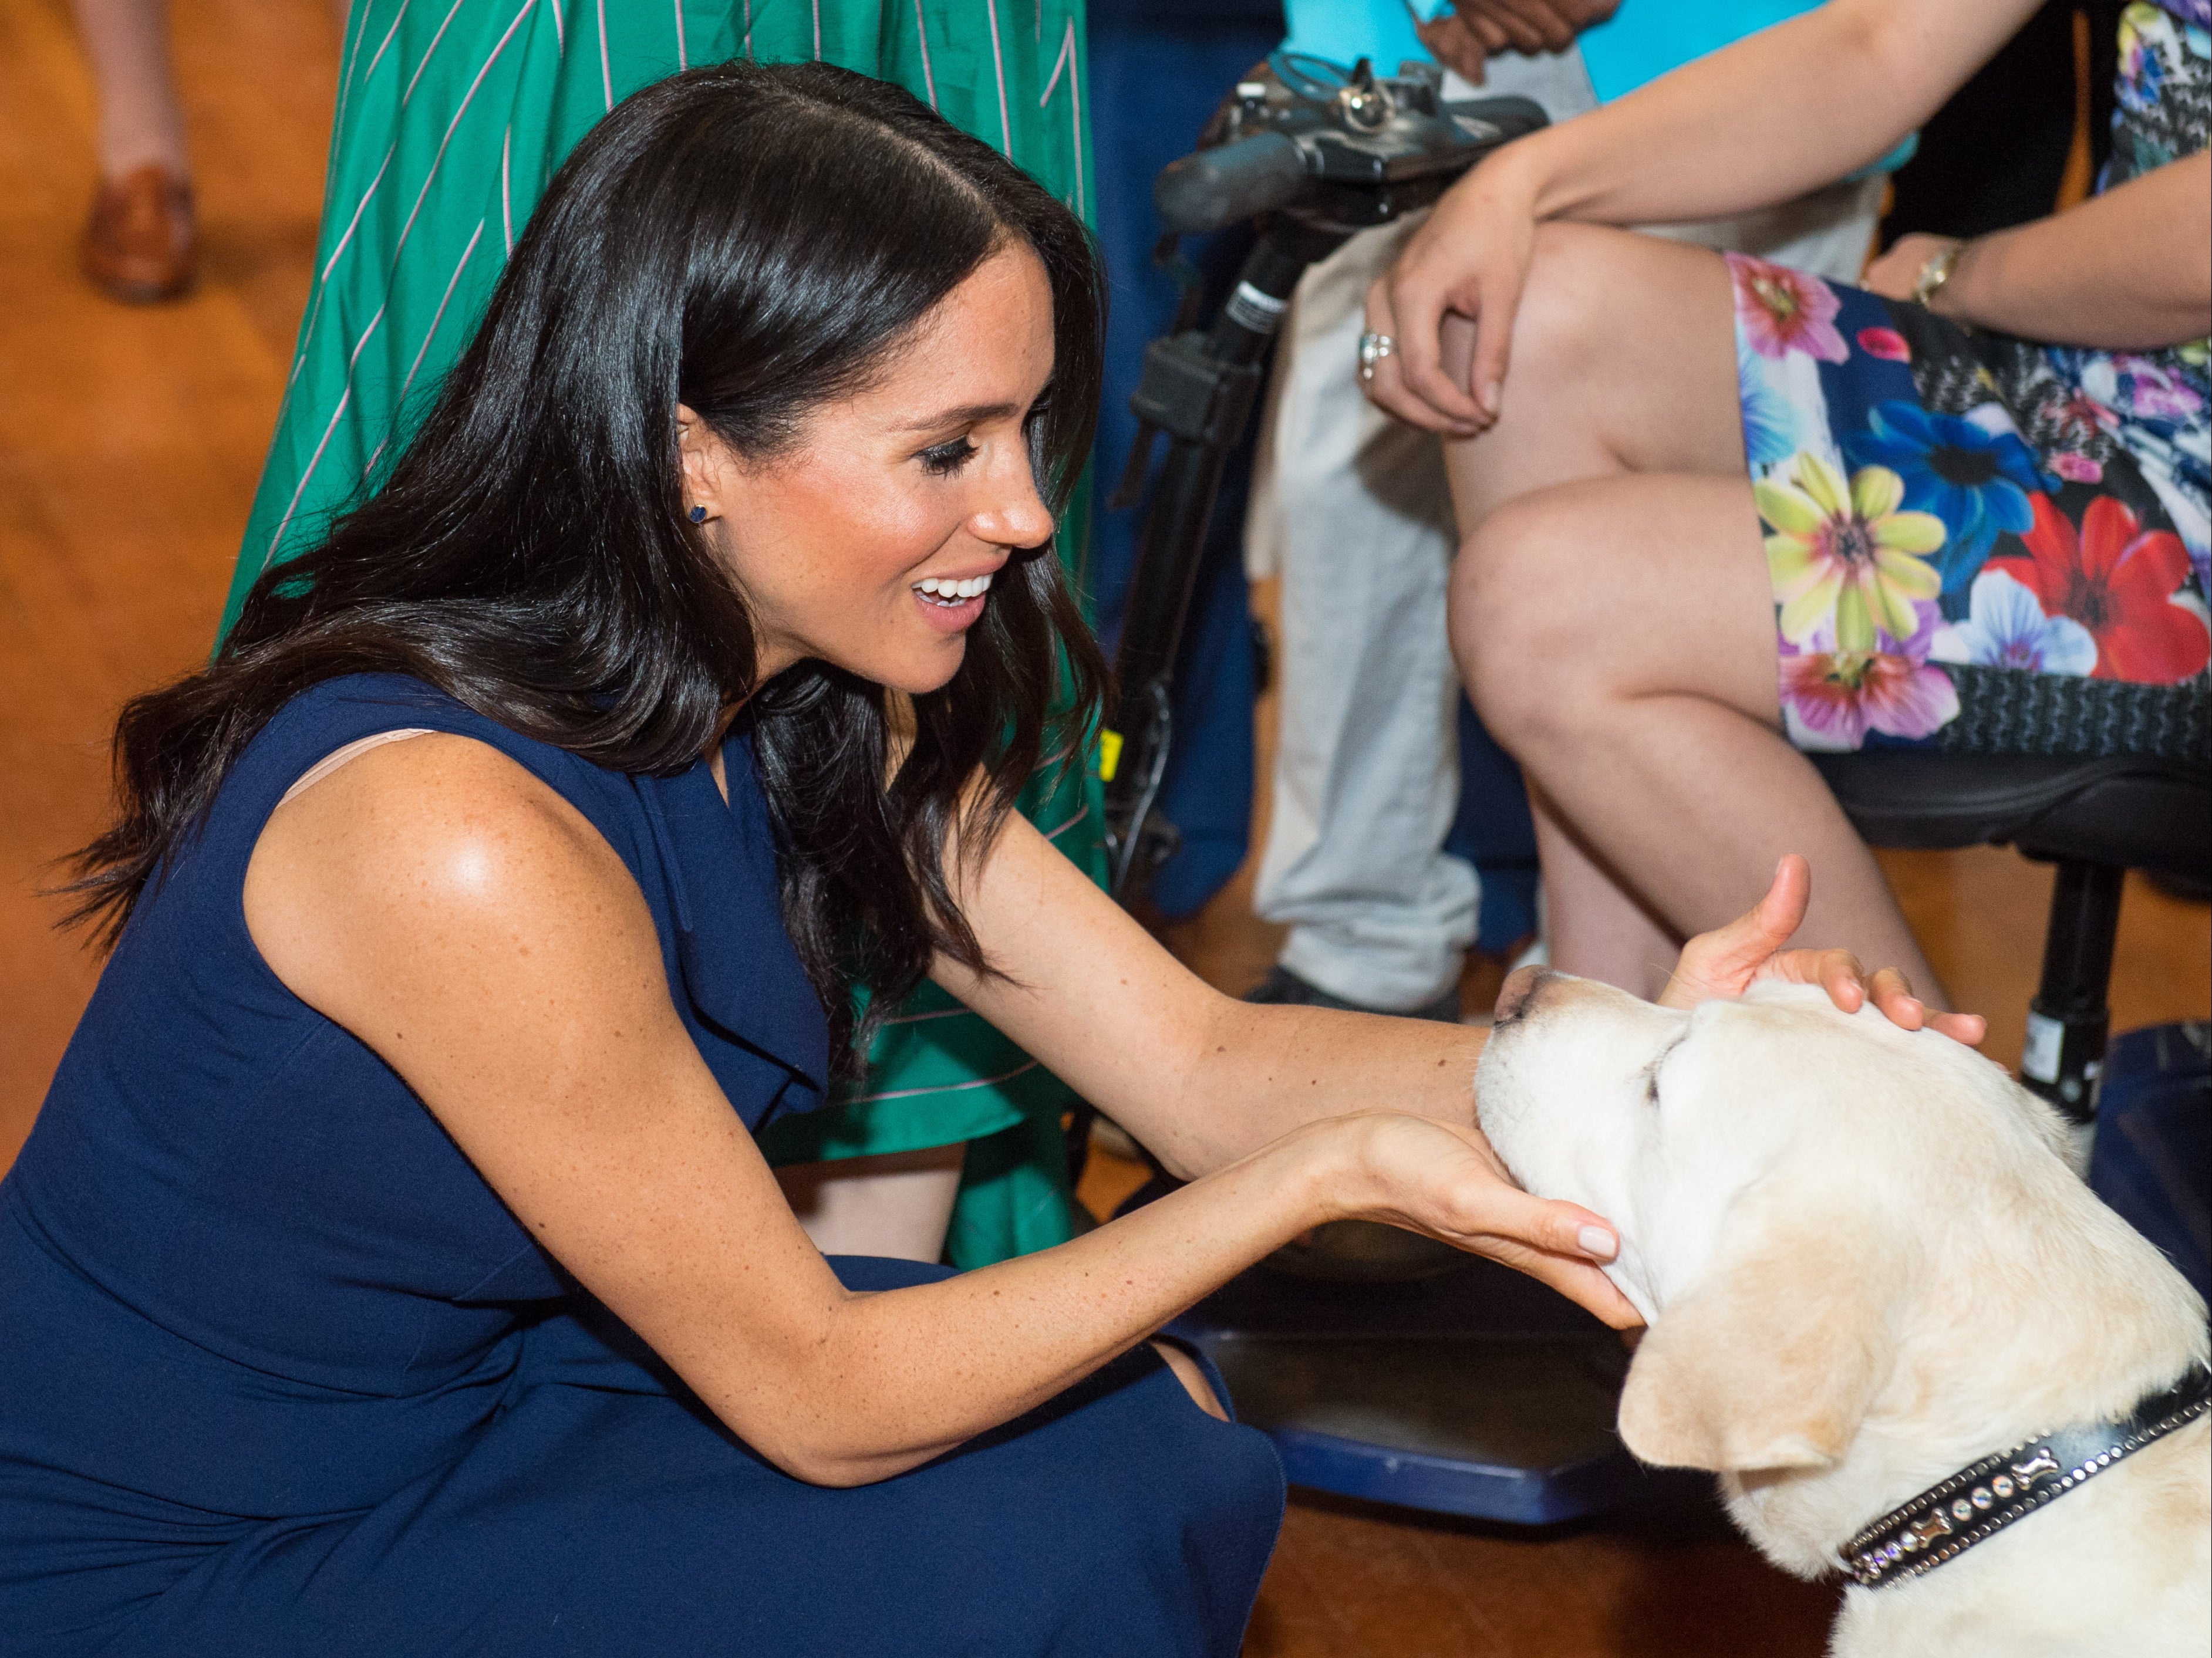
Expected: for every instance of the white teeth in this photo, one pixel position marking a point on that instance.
(946, 591)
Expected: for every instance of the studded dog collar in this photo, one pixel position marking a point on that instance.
(1978, 1502)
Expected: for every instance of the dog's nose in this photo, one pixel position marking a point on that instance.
(1519, 992)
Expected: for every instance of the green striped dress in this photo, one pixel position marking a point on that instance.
(452, 116)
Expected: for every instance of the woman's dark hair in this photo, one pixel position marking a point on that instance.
(752, 241)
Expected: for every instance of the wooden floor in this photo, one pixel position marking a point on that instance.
(129, 439)
(129, 442)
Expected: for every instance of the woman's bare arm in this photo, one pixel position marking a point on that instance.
(2129, 270)
(1202, 1080)
(1780, 112)
(470, 927)
(1201, 1077)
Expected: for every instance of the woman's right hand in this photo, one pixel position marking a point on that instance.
(1469, 262)
(1442, 1180)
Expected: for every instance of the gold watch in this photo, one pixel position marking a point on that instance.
(1934, 273)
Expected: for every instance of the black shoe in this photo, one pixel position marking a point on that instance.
(1283, 987)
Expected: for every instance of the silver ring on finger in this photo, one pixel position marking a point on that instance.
(1373, 347)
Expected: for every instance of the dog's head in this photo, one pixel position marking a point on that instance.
(1787, 1180)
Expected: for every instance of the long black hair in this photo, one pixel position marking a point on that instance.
(751, 242)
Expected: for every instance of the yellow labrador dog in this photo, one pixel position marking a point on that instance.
(1885, 1311)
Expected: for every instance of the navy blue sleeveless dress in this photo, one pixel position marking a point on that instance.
(280, 1374)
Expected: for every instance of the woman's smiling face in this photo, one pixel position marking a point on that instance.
(871, 540)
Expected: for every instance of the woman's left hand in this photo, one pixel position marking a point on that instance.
(1729, 960)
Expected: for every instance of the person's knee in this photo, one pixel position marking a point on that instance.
(1564, 313)
(1513, 616)
(1605, 311)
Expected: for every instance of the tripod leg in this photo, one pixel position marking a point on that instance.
(1198, 391)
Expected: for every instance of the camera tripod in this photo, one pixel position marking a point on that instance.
(1314, 154)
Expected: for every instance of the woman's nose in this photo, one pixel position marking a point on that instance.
(1017, 515)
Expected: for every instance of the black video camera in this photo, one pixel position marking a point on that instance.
(1342, 149)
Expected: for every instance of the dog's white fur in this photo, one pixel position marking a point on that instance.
(1865, 1265)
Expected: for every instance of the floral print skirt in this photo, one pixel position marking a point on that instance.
(1967, 550)
(1979, 543)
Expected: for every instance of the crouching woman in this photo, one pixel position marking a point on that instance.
(391, 1266)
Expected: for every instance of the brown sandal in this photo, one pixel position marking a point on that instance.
(138, 243)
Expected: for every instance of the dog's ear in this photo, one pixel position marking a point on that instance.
(1771, 1361)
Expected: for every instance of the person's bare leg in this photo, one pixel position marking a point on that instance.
(1623, 360)
(1612, 618)
(898, 1204)
(140, 120)
(1618, 636)
(1596, 927)
(1588, 405)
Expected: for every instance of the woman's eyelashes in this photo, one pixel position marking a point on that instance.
(946, 459)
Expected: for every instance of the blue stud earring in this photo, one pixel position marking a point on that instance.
(698, 514)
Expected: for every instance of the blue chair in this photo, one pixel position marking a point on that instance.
(1471, 1390)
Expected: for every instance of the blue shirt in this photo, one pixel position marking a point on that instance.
(1640, 42)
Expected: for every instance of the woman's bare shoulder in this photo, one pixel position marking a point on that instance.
(411, 847)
